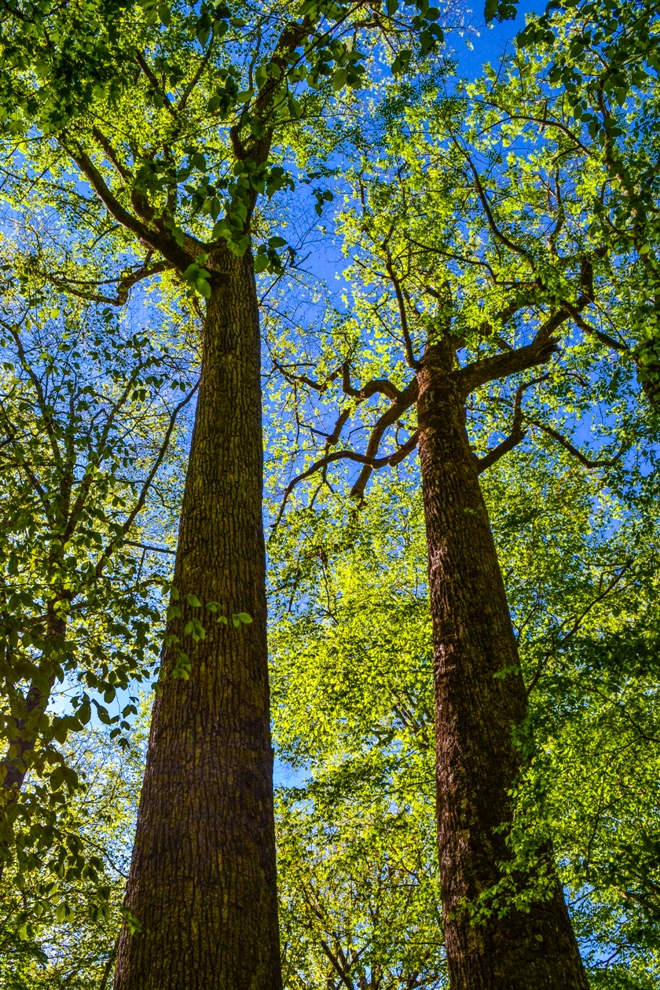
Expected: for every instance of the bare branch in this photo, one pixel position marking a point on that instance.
(124, 285)
(147, 546)
(567, 445)
(517, 432)
(305, 379)
(381, 385)
(351, 455)
(410, 353)
(128, 522)
(406, 399)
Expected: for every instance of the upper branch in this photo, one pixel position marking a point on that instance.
(157, 240)
(573, 450)
(142, 497)
(382, 385)
(481, 192)
(410, 353)
(124, 285)
(538, 352)
(406, 399)
(517, 434)
(337, 455)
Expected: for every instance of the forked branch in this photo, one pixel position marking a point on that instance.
(337, 455)
(517, 434)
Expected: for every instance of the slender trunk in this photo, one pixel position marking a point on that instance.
(476, 712)
(22, 743)
(36, 702)
(24, 739)
(202, 881)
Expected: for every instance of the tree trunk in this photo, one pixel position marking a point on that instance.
(476, 712)
(202, 883)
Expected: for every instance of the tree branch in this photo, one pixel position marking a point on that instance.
(113, 157)
(406, 399)
(517, 432)
(128, 522)
(381, 385)
(403, 316)
(373, 462)
(142, 62)
(574, 451)
(502, 365)
(156, 240)
(124, 285)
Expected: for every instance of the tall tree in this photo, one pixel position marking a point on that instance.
(176, 118)
(481, 243)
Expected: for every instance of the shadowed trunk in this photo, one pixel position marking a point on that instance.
(476, 712)
(36, 702)
(202, 882)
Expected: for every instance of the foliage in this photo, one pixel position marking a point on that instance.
(485, 213)
(88, 420)
(59, 928)
(352, 679)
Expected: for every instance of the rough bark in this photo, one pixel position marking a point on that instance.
(476, 712)
(202, 881)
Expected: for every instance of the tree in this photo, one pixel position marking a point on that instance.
(481, 242)
(89, 424)
(141, 102)
(59, 924)
(352, 670)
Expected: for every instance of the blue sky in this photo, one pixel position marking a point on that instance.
(491, 41)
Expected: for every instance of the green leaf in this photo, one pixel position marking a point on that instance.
(339, 79)
(57, 778)
(240, 617)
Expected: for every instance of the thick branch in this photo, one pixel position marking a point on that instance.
(381, 385)
(112, 155)
(538, 352)
(156, 240)
(515, 437)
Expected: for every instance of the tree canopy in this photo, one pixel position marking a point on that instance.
(201, 203)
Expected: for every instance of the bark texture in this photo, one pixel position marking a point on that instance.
(202, 881)
(476, 712)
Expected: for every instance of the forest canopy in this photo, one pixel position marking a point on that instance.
(328, 543)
